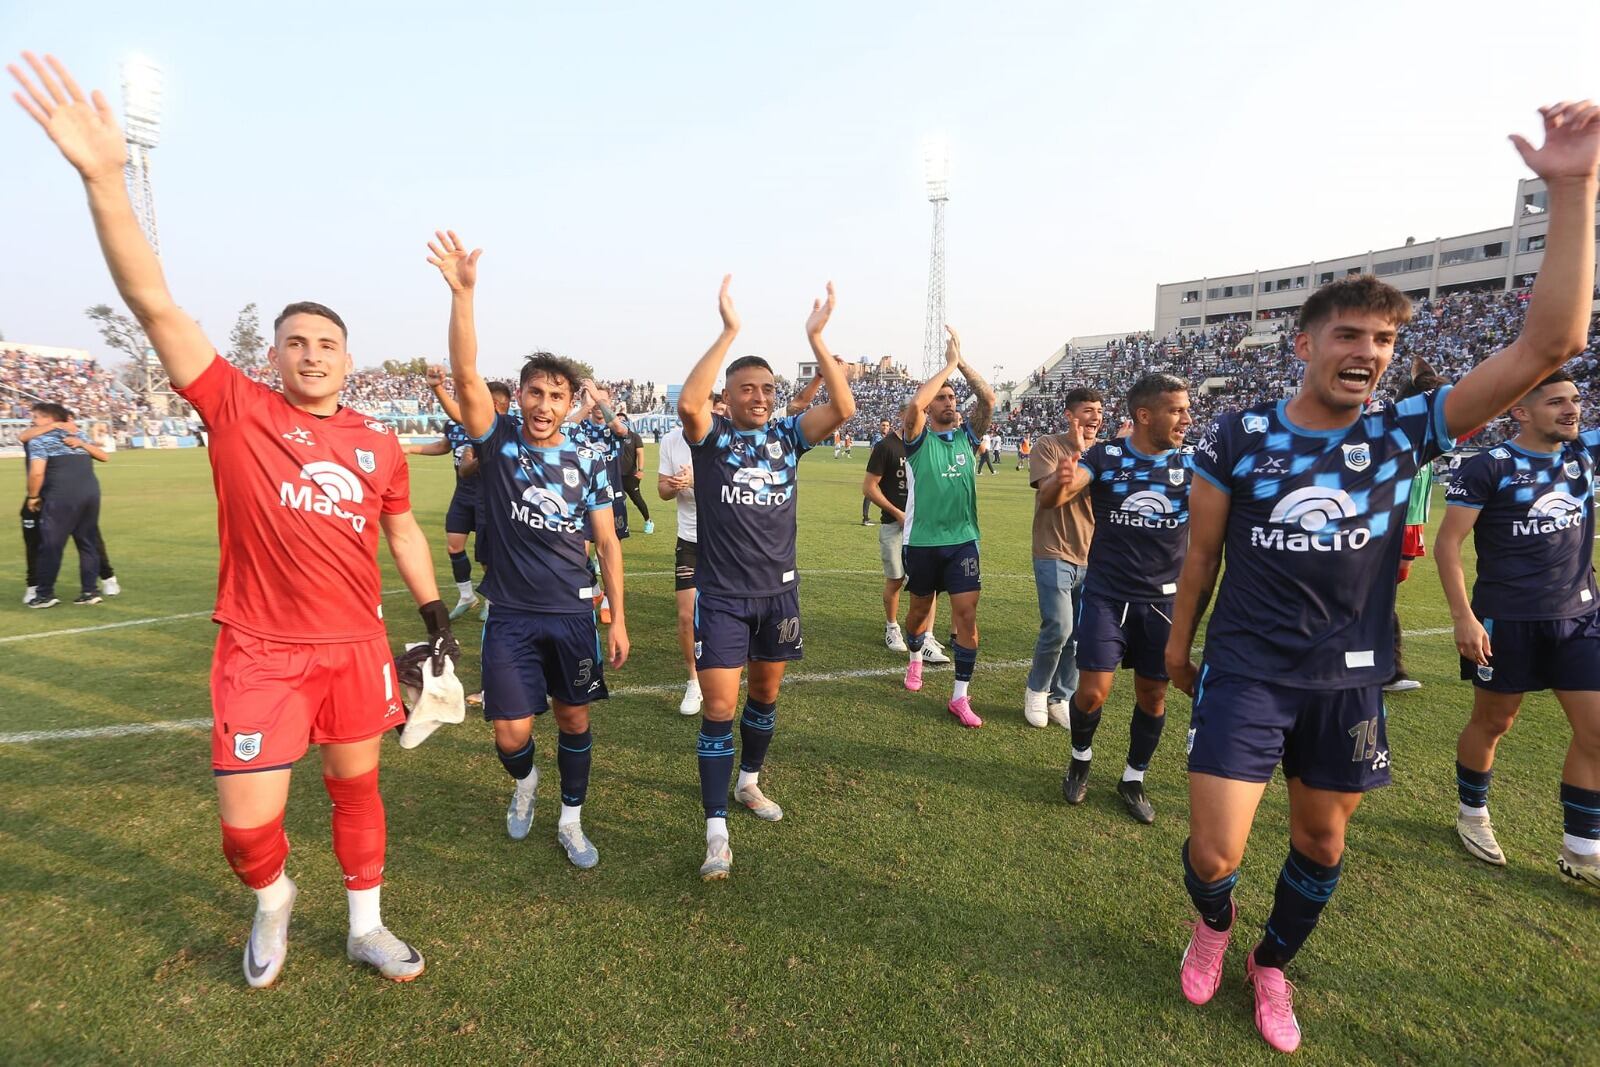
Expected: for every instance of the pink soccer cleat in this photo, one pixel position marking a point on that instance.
(914, 674)
(961, 708)
(1201, 971)
(1274, 1005)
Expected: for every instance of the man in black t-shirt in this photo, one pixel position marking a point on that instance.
(885, 485)
(632, 462)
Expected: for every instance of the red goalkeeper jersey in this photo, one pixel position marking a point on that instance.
(298, 503)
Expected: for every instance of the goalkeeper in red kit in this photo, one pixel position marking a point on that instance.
(303, 487)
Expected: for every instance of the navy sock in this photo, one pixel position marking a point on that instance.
(574, 754)
(1144, 734)
(518, 764)
(755, 733)
(1084, 724)
(1473, 786)
(460, 567)
(1213, 900)
(914, 641)
(966, 659)
(1304, 887)
(715, 749)
(1580, 812)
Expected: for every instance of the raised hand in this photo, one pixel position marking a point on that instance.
(435, 376)
(821, 311)
(952, 347)
(730, 317)
(597, 393)
(85, 130)
(458, 266)
(1073, 433)
(1571, 146)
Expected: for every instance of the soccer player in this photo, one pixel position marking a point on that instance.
(1063, 527)
(941, 519)
(747, 607)
(303, 485)
(541, 645)
(1139, 486)
(1534, 618)
(675, 481)
(62, 502)
(1308, 495)
(885, 485)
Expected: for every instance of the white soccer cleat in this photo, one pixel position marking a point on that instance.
(28, 596)
(753, 798)
(933, 651)
(1477, 837)
(692, 699)
(519, 813)
(111, 587)
(394, 958)
(1579, 867)
(1033, 708)
(580, 850)
(268, 944)
(464, 605)
(719, 860)
(893, 639)
(1059, 712)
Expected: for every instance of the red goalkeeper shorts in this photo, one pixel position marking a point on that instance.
(1413, 547)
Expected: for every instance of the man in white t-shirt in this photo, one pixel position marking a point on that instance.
(675, 481)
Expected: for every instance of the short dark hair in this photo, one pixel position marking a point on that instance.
(500, 389)
(1555, 377)
(1147, 389)
(55, 411)
(1083, 394)
(747, 361)
(310, 307)
(1359, 292)
(551, 366)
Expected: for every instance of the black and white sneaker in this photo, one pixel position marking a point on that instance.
(87, 598)
(43, 602)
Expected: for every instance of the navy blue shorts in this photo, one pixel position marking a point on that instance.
(1115, 632)
(528, 659)
(934, 569)
(481, 517)
(1328, 738)
(731, 631)
(1534, 654)
(462, 515)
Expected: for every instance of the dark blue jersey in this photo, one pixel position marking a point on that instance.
(745, 484)
(68, 471)
(460, 442)
(1313, 539)
(1535, 531)
(1141, 520)
(603, 440)
(537, 501)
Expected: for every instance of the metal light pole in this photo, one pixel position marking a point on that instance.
(936, 172)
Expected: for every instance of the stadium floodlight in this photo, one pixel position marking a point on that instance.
(936, 166)
(936, 172)
(142, 84)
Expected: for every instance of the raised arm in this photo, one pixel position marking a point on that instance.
(822, 420)
(436, 378)
(86, 133)
(802, 400)
(983, 411)
(917, 417)
(599, 396)
(1556, 326)
(694, 399)
(1208, 526)
(1472, 640)
(460, 271)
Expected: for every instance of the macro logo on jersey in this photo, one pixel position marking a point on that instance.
(330, 485)
(1554, 511)
(761, 486)
(1315, 515)
(1148, 508)
(548, 510)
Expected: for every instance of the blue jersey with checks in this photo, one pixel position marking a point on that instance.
(537, 501)
(1313, 539)
(604, 441)
(460, 442)
(745, 485)
(1141, 520)
(68, 472)
(1535, 532)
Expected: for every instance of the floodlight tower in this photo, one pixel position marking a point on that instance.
(141, 115)
(936, 172)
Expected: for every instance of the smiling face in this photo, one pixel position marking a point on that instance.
(1165, 421)
(1089, 415)
(750, 393)
(1549, 415)
(1345, 355)
(312, 362)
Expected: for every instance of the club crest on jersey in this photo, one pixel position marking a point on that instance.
(1175, 475)
(775, 449)
(1572, 468)
(1357, 457)
(247, 747)
(570, 476)
(961, 459)
(366, 460)
(1255, 424)
(1113, 450)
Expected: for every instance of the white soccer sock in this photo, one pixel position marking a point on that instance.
(276, 895)
(960, 689)
(916, 653)
(1474, 813)
(1581, 846)
(716, 828)
(1131, 775)
(570, 815)
(1083, 753)
(364, 917)
(465, 589)
(747, 778)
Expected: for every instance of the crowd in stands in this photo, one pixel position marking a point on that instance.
(80, 385)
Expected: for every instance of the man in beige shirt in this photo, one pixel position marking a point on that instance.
(1063, 525)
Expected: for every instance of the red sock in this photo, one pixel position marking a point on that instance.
(359, 829)
(257, 855)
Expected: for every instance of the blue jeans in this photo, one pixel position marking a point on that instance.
(1055, 657)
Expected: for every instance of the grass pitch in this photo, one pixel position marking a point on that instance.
(927, 898)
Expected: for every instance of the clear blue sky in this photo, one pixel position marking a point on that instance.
(615, 160)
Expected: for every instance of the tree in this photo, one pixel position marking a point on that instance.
(246, 346)
(120, 332)
(418, 366)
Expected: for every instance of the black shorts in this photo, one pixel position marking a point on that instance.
(528, 658)
(684, 558)
(934, 569)
(732, 631)
(462, 515)
(1111, 632)
(1534, 654)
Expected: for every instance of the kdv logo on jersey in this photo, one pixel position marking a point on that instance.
(1557, 510)
(330, 485)
(1313, 514)
(760, 487)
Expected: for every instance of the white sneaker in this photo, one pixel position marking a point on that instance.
(110, 587)
(1033, 708)
(933, 651)
(27, 597)
(1059, 712)
(690, 705)
(893, 639)
(268, 944)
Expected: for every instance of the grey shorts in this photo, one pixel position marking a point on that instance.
(894, 568)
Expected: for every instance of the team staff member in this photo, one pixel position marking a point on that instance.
(65, 495)
(44, 423)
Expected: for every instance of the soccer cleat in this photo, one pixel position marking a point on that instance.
(43, 602)
(580, 850)
(1578, 867)
(28, 594)
(393, 957)
(692, 699)
(1401, 684)
(893, 639)
(464, 605)
(1059, 712)
(84, 599)
(868, 522)
(1138, 805)
(483, 612)
(914, 675)
(111, 587)
(475, 699)
(1033, 708)
(519, 813)
(605, 612)
(753, 798)
(1076, 782)
(268, 944)
(933, 651)
(719, 860)
(961, 708)
(1201, 971)
(1477, 836)
(1274, 1005)
(649, 526)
